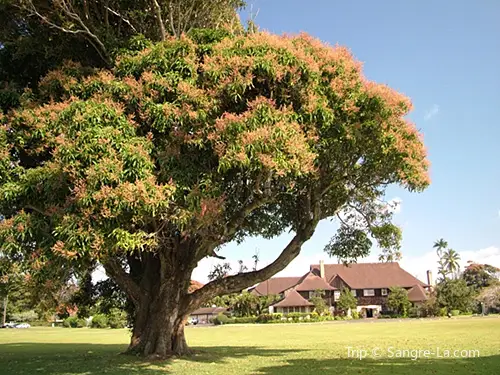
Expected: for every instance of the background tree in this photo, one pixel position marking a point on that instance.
(108, 296)
(490, 297)
(192, 143)
(12, 281)
(318, 300)
(451, 262)
(454, 294)
(440, 245)
(219, 271)
(85, 297)
(398, 300)
(479, 276)
(346, 301)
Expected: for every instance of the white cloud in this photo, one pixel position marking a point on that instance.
(433, 111)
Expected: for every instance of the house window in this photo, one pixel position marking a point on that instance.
(353, 292)
(383, 291)
(368, 292)
(336, 295)
(311, 294)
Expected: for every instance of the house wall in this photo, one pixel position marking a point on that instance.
(339, 283)
(377, 299)
(285, 310)
(203, 317)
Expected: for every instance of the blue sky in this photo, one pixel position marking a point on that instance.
(444, 55)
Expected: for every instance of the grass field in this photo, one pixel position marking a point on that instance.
(266, 349)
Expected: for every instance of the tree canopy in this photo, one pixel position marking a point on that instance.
(37, 36)
(191, 143)
(346, 301)
(398, 300)
(480, 276)
(454, 294)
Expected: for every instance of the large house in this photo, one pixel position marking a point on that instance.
(368, 282)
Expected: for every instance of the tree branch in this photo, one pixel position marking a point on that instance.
(236, 283)
(163, 33)
(123, 279)
(30, 207)
(68, 11)
(121, 17)
(171, 15)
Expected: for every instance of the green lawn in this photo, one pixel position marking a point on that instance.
(264, 349)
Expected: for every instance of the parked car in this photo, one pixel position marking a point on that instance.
(193, 321)
(22, 325)
(9, 325)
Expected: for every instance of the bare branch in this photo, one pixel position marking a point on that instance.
(342, 220)
(121, 17)
(163, 33)
(68, 11)
(171, 15)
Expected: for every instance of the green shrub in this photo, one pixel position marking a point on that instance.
(338, 318)
(314, 315)
(99, 321)
(81, 323)
(117, 318)
(455, 312)
(269, 318)
(296, 316)
(244, 319)
(74, 322)
(221, 319)
(70, 322)
(265, 318)
(413, 312)
(41, 323)
(443, 311)
(355, 315)
(25, 316)
(277, 316)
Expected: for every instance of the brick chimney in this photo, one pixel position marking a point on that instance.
(322, 269)
(430, 281)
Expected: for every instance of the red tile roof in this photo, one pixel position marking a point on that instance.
(370, 275)
(209, 311)
(417, 294)
(312, 282)
(276, 285)
(293, 298)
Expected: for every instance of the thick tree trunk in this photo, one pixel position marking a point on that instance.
(159, 323)
(4, 315)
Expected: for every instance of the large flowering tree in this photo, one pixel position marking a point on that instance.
(192, 143)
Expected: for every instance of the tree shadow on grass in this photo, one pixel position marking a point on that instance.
(394, 366)
(93, 359)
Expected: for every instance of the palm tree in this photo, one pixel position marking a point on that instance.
(451, 259)
(440, 245)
